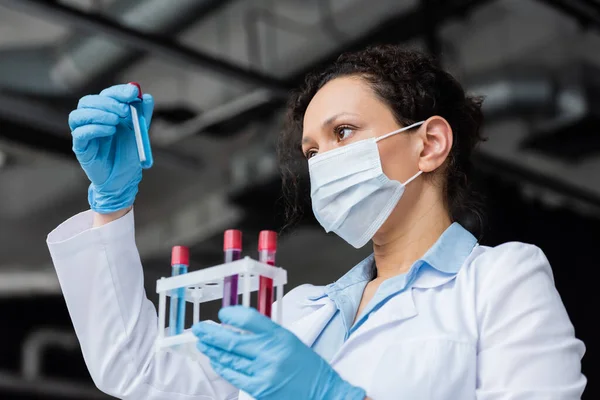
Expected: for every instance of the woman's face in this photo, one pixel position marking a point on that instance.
(347, 110)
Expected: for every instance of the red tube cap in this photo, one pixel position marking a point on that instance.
(139, 89)
(180, 255)
(232, 240)
(267, 240)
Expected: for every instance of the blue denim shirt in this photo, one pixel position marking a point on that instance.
(446, 256)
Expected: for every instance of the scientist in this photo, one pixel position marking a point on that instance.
(386, 136)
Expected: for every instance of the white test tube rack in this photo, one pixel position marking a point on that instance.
(207, 285)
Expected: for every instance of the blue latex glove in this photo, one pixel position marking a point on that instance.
(270, 362)
(104, 143)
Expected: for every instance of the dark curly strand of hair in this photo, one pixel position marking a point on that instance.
(414, 88)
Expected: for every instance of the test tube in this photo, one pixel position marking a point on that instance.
(180, 260)
(140, 129)
(267, 247)
(232, 249)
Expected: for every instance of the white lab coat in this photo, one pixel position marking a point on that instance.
(496, 330)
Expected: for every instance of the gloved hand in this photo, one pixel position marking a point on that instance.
(104, 143)
(270, 362)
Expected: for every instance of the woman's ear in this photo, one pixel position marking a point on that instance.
(437, 142)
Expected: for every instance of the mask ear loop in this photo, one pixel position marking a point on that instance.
(387, 135)
(415, 176)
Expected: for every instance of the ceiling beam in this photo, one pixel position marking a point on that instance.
(397, 29)
(158, 45)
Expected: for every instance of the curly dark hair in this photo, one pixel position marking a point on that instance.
(415, 88)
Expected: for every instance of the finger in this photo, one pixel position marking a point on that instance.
(123, 93)
(235, 378)
(242, 345)
(87, 116)
(226, 359)
(212, 328)
(207, 328)
(148, 107)
(247, 318)
(234, 342)
(85, 133)
(104, 103)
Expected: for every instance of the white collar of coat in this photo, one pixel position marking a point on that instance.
(439, 265)
(427, 278)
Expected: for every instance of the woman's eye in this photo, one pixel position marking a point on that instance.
(310, 153)
(344, 132)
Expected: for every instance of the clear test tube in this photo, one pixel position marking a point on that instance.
(267, 248)
(140, 130)
(180, 260)
(232, 249)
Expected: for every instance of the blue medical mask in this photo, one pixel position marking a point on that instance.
(351, 195)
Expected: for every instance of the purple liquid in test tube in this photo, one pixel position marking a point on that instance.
(232, 249)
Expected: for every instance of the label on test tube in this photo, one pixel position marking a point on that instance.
(232, 249)
(140, 129)
(267, 248)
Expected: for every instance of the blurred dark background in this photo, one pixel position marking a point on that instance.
(220, 71)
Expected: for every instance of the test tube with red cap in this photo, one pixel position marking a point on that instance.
(180, 261)
(140, 128)
(232, 249)
(267, 248)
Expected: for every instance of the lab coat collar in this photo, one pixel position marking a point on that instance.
(429, 278)
(308, 327)
(445, 257)
(450, 251)
(361, 272)
(317, 295)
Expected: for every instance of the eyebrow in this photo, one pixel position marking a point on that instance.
(332, 119)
